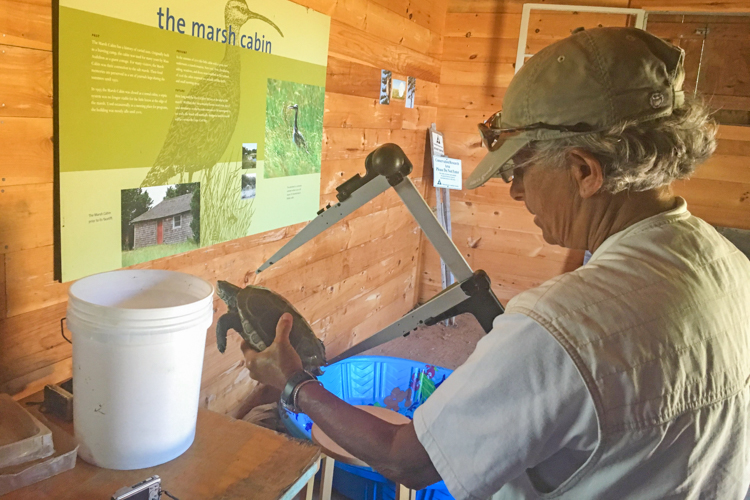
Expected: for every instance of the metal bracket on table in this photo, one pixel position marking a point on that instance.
(386, 167)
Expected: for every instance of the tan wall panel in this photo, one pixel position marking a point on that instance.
(27, 217)
(482, 25)
(341, 143)
(25, 82)
(725, 168)
(384, 23)
(729, 147)
(471, 98)
(720, 194)
(31, 285)
(481, 50)
(314, 277)
(318, 305)
(720, 216)
(31, 341)
(3, 296)
(346, 111)
(33, 382)
(348, 42)
(26, 23)
(463, 120)
(352, 78)
(500, 240)
(351, 12)
(380, 21)
(691, 5)
(477, 74)
(25, 151)
(427, 13)
(358, 315)
(515, 6)
(735, 133)
(426, 93)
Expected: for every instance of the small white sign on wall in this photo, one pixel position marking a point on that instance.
(447, 172)
(437, 143)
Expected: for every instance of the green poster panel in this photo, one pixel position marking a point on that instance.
(184, 125)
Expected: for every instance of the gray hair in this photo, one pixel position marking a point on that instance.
(641, 156)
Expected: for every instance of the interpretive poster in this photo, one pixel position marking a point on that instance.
(183, 124)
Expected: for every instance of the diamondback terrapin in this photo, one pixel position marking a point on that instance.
(254, 312)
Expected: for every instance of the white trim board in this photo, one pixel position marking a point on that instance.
(640, 21)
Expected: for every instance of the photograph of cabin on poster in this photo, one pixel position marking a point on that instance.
(159, 221)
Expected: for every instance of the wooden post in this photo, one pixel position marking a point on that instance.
(326, 478)
(443, 204)
(307, 492)
(404, 493)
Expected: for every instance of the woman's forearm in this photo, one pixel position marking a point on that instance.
(393, 450)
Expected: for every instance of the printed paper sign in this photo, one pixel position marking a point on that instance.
(447, 172)
(411, 90)
(437, 143)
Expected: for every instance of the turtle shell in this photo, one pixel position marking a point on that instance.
(260, 309)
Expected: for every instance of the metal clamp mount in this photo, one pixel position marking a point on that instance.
(482, 302)
(386, 167)
(388, 160)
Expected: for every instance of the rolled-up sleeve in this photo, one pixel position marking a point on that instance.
(503, 411)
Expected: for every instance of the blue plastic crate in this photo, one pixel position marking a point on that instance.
(398, 384)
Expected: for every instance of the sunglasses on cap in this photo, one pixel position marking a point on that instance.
(493, 135)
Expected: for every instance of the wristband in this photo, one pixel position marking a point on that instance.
(288, 395)
(295, 393)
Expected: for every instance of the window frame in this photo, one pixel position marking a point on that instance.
(521, 56)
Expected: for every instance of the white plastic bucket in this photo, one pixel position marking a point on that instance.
(138, 342)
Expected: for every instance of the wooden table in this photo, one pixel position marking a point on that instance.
(229, 460)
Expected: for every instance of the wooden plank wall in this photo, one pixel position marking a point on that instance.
(358, 278)
(492, 231)
(497, 234)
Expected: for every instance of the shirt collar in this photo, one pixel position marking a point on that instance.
(680, 211)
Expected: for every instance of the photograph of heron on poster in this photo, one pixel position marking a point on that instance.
(294, 128)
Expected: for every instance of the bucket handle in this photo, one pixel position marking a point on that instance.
(62, 330)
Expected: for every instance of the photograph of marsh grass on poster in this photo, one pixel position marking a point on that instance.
(294, 128)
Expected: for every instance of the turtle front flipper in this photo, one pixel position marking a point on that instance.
(225, 323)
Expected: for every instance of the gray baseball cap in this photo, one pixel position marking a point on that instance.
(587, 82)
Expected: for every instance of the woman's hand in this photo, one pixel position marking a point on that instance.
(278, 362)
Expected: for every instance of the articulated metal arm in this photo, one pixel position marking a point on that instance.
(472, 295)
(385, 167)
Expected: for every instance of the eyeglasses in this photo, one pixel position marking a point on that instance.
(493, 135)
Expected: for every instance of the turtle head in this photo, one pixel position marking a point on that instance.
(228, 293)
